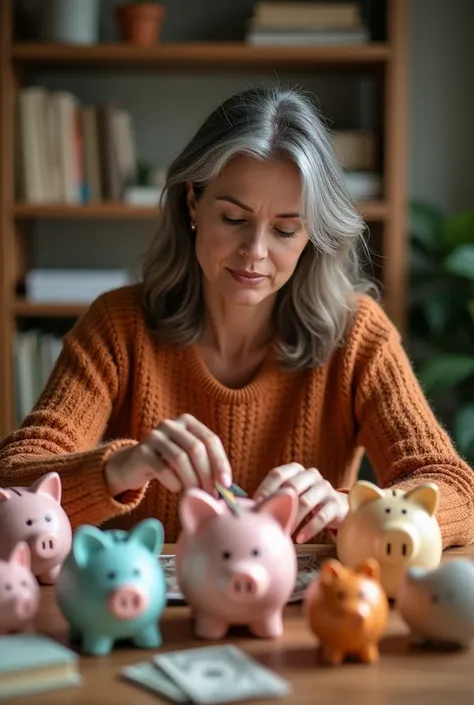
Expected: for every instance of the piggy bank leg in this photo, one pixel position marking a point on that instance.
(269, 627)
(148, 638)
(50, 576)
(369, 654)
(207, 627)
(330, 655)
(97, 644)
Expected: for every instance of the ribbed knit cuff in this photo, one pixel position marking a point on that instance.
(86, 497)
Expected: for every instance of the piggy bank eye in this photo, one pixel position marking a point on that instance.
(8, 586)
(29, 522)
(24, 583)
(255, 552)
(404, 511)
(434, 598)
(48, 517)
(226, 555)
(111, 575)
(136, 572)
(340, 594)
(388, 510)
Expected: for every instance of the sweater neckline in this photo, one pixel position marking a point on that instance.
(258, 386)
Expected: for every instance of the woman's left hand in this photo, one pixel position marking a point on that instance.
(320, 505)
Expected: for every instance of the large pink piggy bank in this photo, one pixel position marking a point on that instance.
(397, 527)
(34, 514)
(19, 591)
(236, 570)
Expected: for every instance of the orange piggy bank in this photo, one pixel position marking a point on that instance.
(347, 610)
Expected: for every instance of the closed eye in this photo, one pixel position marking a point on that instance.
(286, 233)
(232, 221)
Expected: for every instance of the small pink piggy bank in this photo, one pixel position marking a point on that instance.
(236, 570)
(19, 591)
(397, 527)
(34, 514)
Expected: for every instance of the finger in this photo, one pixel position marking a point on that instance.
(174, 456)
(220, 465)
(311, 499)
(157, 469)
(324, 515)
(303, 480)
(276, 478)
(195, 449)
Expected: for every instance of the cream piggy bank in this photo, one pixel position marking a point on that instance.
(397, 527)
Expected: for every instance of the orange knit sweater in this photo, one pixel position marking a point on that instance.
(113, 383)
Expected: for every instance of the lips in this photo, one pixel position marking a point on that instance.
(249, 278)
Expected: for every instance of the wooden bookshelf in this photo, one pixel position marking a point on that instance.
(19, 61)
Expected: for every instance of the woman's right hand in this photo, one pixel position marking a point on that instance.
(179, 453)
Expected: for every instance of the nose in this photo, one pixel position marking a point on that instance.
(254, 246)
(397, 544)
(127, 602)
(24, 607)
(45, 545)
(245, 585)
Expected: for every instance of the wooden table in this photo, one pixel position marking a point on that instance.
(403, 676)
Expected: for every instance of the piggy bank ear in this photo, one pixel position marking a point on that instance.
(426, 495)
(330, 569)
(149, 533)
(196, 508)
(370, 567)
(362, 492)
(49, 484)
(282, 506)
(4, 495)
(87, 541)
(21, 555)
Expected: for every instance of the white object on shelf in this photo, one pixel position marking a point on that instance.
(70, 21)
(364, 185)
(72, 285)
(143, 196)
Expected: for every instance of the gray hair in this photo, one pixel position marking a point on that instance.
(314, 307)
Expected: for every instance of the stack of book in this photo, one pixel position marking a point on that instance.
(69, 153)
(306, 24)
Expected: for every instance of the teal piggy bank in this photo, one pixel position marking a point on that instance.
(112, 587)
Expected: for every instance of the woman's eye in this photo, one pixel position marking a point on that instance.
(286, 233)
(232, 221)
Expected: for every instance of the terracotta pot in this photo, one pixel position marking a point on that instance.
(140, 22)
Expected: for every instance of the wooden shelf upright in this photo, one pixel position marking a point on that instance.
(388, 59)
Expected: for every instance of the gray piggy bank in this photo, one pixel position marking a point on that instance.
(438, 605)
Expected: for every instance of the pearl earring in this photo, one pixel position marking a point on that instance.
(193, 226)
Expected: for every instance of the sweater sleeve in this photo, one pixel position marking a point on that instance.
(64, 429)
(403, 439)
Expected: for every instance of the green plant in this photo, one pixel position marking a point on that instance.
(442, 315)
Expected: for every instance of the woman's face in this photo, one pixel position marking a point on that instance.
(249, 229)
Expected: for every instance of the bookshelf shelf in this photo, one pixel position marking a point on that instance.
(371, 210)
(27, 309)
(197, 55)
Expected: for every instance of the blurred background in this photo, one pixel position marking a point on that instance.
(97, 97)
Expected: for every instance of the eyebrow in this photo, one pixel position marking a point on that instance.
(233, 200)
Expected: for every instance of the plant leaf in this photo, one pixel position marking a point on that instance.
(461, 261)
(445, 372)
(459, 230)
(464, 430)
(470, 308)
(437, 309)
(426, 225)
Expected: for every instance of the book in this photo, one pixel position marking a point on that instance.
(33, 663)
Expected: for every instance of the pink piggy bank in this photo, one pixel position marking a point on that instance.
(19, 591)
(236, 570)
(397, 527)
(34, 514)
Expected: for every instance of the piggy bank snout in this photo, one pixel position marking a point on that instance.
(127, 602)
(24, 607)
(45, 545)
(245, 584)
(398, 543)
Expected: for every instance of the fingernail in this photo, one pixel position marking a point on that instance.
(301, 538)
(226, 479)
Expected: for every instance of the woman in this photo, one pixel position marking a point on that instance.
(251, 352)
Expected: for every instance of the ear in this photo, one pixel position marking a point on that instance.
(330, 569)
(4, 495)
(191, 200)
(149, 533)
(196, 508)
(363, 492)
(49, 484)
(282, 506)
(21, 555)
(426, 495)
(87, 541)
(370, 567)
